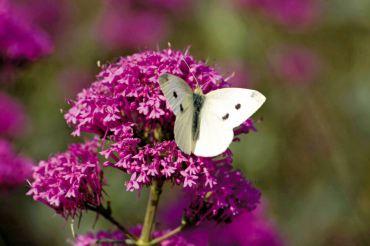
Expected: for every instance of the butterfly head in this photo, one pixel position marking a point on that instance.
(198, 90)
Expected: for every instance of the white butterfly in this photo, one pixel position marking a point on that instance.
(204, 123)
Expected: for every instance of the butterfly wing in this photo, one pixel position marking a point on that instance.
(179, 95)
(214, 137)
(183, 126)
(175, 90)
(223, 110)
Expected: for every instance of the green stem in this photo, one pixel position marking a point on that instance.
(107, 214)
(151, 210)
(168, 235)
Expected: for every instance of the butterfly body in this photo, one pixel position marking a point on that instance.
(204, 123)
(198, 101)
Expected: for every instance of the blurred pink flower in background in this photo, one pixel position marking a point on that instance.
(49, 15)
(237, 74)
(173, 5)
(133, 24)
(248, 229)
(124, 26)
(14, 169)
(295, 64)
(20, 39)
(291, 13)
(12, 116)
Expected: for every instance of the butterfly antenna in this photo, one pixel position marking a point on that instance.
(195, 78)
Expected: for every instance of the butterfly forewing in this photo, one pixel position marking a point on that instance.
(233, 106)
(183, 126)
(175, 90)
(223, 110)
(179, 96)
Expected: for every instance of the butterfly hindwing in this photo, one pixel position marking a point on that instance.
(175, 90)
(214, 137)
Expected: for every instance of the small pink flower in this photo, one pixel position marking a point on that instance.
(70, 180)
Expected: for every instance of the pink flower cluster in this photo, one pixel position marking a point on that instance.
(127, 110)
(126, 106)
(229, 195)
(14, 169)
(70, 180)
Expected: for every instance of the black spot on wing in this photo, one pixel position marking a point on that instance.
(174, 94)
(225, 117)
(238, 106)
(181, 108)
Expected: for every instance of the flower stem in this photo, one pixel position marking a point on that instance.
(168, 235)
(151, 210)
(106, 213)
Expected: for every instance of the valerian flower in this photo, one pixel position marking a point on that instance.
(69, 181)
(229, 195)
(126, 106)
(127, 109)
(14, 169)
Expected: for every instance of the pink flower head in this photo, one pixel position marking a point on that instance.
(12, 117)
(229, 195)
(126, 106)
(14, 169)
(91, 239)
(70, 180)
(20, 39)
(295, 64)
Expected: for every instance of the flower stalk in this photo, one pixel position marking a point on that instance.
(168, 235)
(151, 210)
(107, 214)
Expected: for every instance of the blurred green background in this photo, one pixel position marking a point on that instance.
(310, 155)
